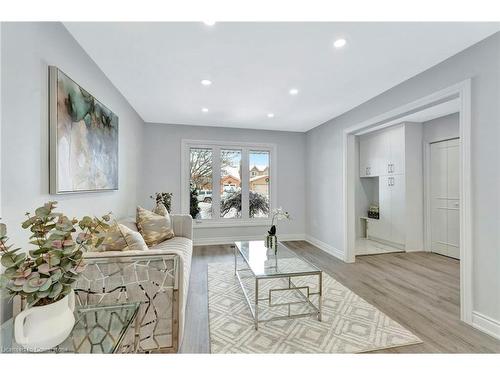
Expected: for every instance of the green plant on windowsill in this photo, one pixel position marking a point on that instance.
(164, 198)
(49, 272)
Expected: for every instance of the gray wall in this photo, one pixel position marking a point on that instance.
(441, 128)
(162, 170)
(324, 160)
(27, 51)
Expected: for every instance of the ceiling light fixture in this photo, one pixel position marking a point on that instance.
(339, 43)
(270, 115)
(293, 91)
(209, 23)
(205, 110)
(206, 82)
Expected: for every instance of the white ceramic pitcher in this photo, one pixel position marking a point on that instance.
(41, 328)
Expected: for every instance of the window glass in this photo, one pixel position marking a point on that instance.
(201, 161)
(230, 183)
(259, 184)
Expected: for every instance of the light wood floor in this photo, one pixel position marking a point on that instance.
(418, 290)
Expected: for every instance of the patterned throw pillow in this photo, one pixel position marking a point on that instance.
(160, 209)
(154, 228)
(121, 238)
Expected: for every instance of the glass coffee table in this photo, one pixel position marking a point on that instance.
(98, 329)
(277, 283)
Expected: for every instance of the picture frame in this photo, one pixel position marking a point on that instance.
(83, 139)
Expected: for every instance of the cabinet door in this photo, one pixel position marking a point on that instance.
(398, 208)
(364, 155)
(396, 138)
(385, 209)
(378, 153)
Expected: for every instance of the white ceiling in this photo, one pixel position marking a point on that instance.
(158, 66)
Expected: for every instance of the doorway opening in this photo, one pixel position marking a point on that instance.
(402, 185)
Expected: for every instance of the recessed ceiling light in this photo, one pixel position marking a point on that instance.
(339, 43)
(206, 82)
(209, 23)
(270, 115)
(205, 110)
(293, 91)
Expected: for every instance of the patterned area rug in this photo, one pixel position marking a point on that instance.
(349, 323)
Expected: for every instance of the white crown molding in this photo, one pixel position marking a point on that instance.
(486, 324)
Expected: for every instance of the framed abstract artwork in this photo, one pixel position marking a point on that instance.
(83, 139)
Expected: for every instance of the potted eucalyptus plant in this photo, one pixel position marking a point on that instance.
(45, 276)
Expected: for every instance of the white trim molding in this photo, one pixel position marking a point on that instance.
(486, 324)
(231, 223)
(461, 92)
(230, 240)
(325, 247)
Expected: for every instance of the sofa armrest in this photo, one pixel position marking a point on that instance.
(151, 279)
(183, 225)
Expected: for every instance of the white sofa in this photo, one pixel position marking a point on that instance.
(170, 258)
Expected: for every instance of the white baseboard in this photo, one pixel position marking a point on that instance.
(230, 240)
(486, 324)
(325, 247)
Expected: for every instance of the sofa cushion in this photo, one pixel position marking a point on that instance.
(160, 209)
(129, 222)
(153, 227)
(121, 238)
(183, 247)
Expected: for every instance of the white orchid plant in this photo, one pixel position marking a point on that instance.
(277, 214)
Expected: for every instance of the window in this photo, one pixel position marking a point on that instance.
(259, 184)
(200, 183)
(230, 183)
(227, 182)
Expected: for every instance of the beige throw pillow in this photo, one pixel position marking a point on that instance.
(121, 238)
(154, 228)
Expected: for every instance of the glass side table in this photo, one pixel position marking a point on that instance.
(98, 329)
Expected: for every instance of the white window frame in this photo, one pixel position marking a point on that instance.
(216, 146)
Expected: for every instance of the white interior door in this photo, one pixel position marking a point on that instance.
(445, 203)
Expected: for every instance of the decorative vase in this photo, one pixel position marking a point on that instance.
(41, 328)
(271, 242)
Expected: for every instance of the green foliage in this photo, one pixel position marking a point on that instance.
(165, 198)
(194, 210)
(258, 203)
(50, 270)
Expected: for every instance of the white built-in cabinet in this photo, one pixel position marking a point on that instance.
(382, 153)
(394, 156)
